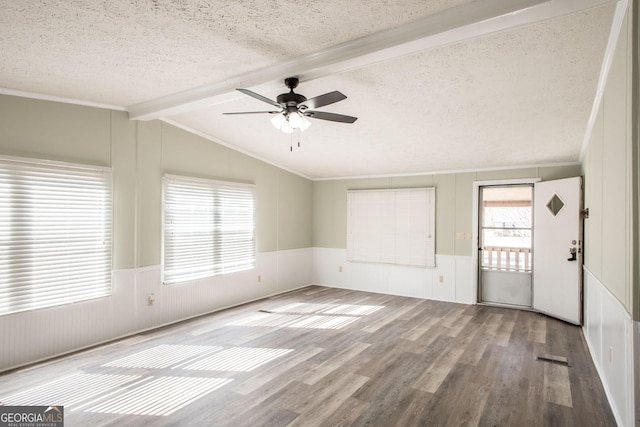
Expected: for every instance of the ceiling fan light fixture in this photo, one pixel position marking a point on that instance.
(304, 125)
(295, 120)
(288, 122)
(278, 121)
(286, 127)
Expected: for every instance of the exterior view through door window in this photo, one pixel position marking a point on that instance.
(505, 244)
(506, 228)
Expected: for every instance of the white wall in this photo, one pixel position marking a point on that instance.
(609, 331)
(451, 279)
(608, 257)
(36, 335)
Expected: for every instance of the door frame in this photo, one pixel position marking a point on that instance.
(579, 319)
(475, 241)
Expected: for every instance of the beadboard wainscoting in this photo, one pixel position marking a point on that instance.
(140, 302)
(608, 330)
(451, 279)
(636, 368)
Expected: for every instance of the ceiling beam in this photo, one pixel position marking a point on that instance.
(464, 22)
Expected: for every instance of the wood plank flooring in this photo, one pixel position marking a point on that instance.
(330, 357)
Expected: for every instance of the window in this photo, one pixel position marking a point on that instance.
(506, 220)
(392, 226)
(55, 233)
(209, 228)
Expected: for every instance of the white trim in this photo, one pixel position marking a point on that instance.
(54, 98)
(139, 269)
(614, 35)
(389, 190)
(285, 251)
(451, 171)
(635, 357)
(62, 165)
(207, 181)
(514, 181)
(474, 222)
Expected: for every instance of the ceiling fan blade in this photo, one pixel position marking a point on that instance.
(253, 112)
(322, 100)
(260, 97)
(332, 117)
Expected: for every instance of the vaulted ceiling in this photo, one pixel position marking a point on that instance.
(437, 85)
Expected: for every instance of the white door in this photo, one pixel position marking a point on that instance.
(557, 249)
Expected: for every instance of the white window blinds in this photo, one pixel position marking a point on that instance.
(392, 226)
(209, 228)
(55, 233)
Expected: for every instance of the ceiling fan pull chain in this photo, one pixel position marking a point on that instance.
(291, 142)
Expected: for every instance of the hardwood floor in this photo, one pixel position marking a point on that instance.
(330, 357)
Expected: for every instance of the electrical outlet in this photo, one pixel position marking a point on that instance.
(441, 279)
(259, 278)
(340, 269)
(151, 298)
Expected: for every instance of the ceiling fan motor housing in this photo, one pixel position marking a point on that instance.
(290, 99)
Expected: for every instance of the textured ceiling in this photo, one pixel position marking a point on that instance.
(516, 97)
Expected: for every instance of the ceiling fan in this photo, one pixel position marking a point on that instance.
(293, 108)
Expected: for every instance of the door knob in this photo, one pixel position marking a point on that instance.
(574, 254)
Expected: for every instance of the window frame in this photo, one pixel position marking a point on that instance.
(382, 229)
(170, 275)
(49, 265)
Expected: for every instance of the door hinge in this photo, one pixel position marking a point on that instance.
(584, 213)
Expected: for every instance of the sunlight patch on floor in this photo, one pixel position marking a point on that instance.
(353, 309)
(69, 390)
(302, 307)
(346, 309)
(266, 319)
(162, 356)
(161, 396)
(305, 315)
(324, 322)
(238, 359)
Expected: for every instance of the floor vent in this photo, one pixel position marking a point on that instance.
(558, 360)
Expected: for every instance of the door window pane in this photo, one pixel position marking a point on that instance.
(505, 232)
